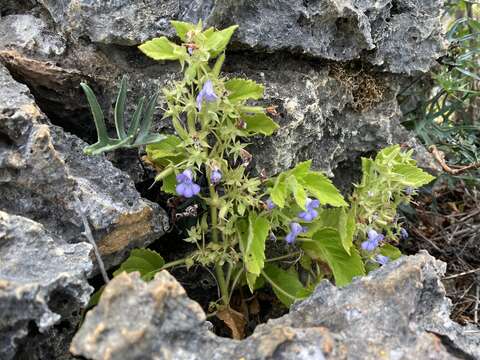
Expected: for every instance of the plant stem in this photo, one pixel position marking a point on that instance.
(174, 263)
(219, 273)
(222, 283)
(295, 254)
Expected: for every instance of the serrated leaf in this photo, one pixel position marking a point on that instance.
(259, 124)
(327, 245)
(241, 89)
(169, 184)
(298, 192)
(182, 28)
(163, 49)
(412, 175)
(285, 284)
(301, 169)
(391, 251)
(145, 261)
(341, 220)
(253, 244)
(217, 41)
(322, 188)
(166, 151)
(278, 193)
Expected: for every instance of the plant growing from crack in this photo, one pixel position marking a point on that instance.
(206, 161)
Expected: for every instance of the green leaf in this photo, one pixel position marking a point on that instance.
(413, 176)
(182, 28)
(169, 184)
(217, 41)
(253, 245)
(322, 188)
(278, 193)
(391, 251)
(120, 109)
(298, 192)
(285, 284)
(241, 89)
(163, 49)
(301, 169)
(145, 261)
(166, 151)
(260, 124)
(326, 244)
(341, 220)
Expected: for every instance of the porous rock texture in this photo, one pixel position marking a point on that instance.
(397, 312)
(333, 68)
(43, 286)
(42, 167)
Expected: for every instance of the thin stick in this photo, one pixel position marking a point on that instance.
(461, 274)
(440, 157)
(89, 236)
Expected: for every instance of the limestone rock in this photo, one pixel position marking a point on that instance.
(337, 30)
(43, 286)
(330, 112)
(41, 167)
(398, 312)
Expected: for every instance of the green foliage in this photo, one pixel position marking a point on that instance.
(447, 115)
(326, 245)
(138, 133)
(212, 118)
(145, 261)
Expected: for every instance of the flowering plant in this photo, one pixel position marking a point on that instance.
(207, 161)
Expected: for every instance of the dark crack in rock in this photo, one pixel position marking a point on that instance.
(397, 312)
(41, 167)
(43, 286)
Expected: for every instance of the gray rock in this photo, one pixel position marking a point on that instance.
(397, 312)
(328, 29)
(329, 112)
(41, 167)
(43, 286)
(31, 34)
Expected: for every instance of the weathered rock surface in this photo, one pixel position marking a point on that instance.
(41, 167)
(397, 312)
(43, 286)
(330, 112)
(328, 29)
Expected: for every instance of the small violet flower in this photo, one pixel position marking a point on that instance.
(373, 240)
(185, 185)
(295, 230)
(216, 176)
(207, 93)
(403, 234)
(310, 213)
(270, 204)
(409, 190)
(382, 260)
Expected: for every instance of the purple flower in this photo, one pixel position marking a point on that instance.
(382, 260)
(409, 190)
(272, 237)
(310, 213)
(185, 185)
(190, 50)
(295, 230)
(403, 234)
(216, 176)
(207, 93)
(373, 240)
(270, 204)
